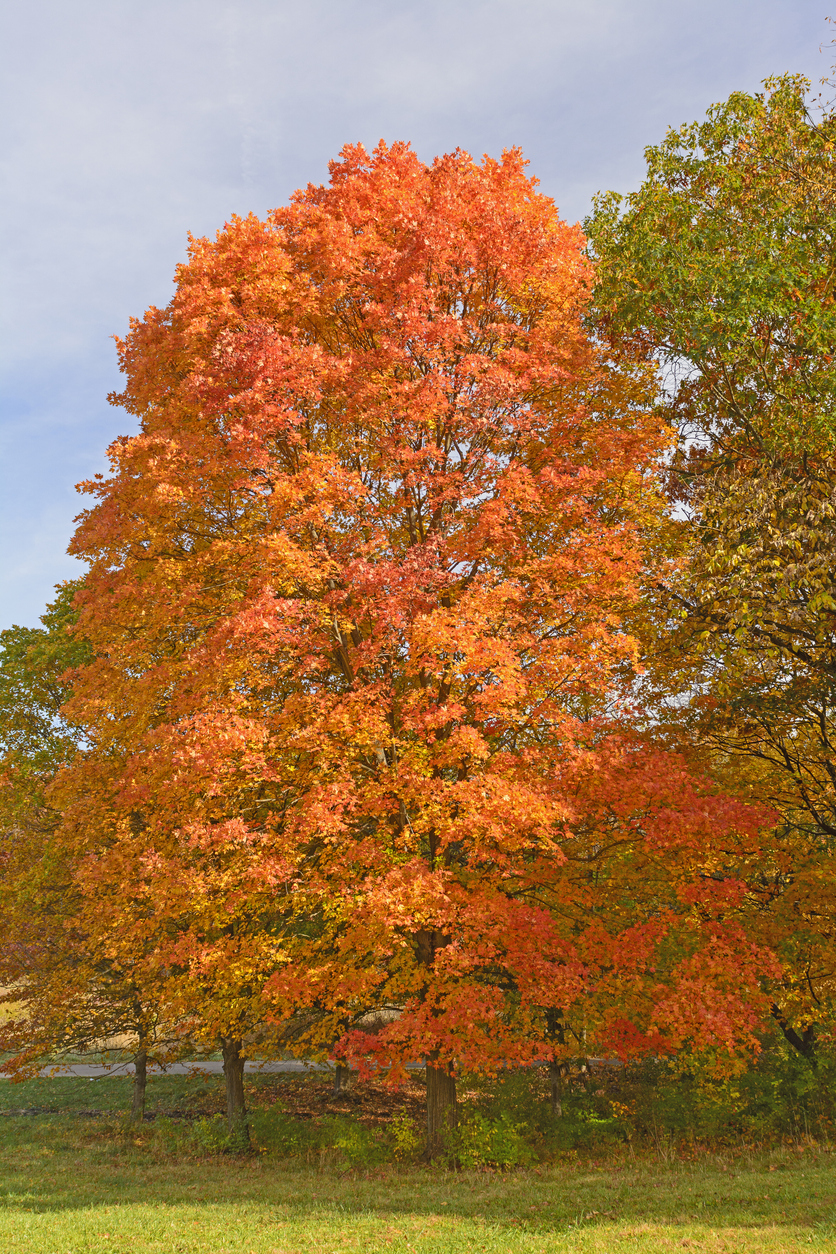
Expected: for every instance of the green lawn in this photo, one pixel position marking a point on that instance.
(72, 1181)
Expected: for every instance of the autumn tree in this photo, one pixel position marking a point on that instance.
(63, 990)
(722, 267)
(356, 596)
(193, 921)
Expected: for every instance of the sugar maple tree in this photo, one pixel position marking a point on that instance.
(355, 594)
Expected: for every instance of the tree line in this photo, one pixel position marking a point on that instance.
(452, 678)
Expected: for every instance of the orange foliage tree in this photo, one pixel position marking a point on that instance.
(361, 697)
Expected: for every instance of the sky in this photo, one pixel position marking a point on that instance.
(130, 123)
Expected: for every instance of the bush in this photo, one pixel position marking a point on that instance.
(486, 1141)
(521, 1099)
(332, 1141)
(211, 1135)
(407, 1138)
(346, 1140)
(779, 1096)
(280, 1134)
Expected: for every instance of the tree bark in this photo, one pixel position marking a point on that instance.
(236, 1106)
(556, 1073)
(140, 1078)
(342, 1074)
(442, 1114)
(556, 1029)
(442, 1111)
(804, 1042)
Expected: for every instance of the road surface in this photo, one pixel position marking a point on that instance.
(93, 1071)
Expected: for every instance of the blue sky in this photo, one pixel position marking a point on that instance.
(129, 123)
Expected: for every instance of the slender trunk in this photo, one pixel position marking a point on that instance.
(556, 1028)
(140, 1077)
(342, 1075)
(236, 1106)
(804, 1043)
(442, 1112)
(556, 1087)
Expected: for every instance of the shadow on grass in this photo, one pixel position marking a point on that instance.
(62, 1163)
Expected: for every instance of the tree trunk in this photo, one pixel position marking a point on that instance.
(442, 1115)
(140, 1077)
(556, 1028)
(236, 1106)
(556, 1087)
(804, 1043)
(342, 1074)
(442, 1112)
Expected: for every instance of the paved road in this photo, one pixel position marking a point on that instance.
(201, 1066)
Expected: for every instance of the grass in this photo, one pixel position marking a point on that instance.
(73, 1180)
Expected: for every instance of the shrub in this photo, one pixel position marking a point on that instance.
(211, 1135)
(486, 1141)
(278, 1133)
(407, 1137)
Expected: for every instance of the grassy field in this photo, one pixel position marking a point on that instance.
(72, 1179)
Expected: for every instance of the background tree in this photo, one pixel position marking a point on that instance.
(65, 991)
(195, 912)
(721, 267)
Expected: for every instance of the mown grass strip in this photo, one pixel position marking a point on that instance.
(75, 1183)
(70, 1185)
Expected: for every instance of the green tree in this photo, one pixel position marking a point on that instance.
(721, 266)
